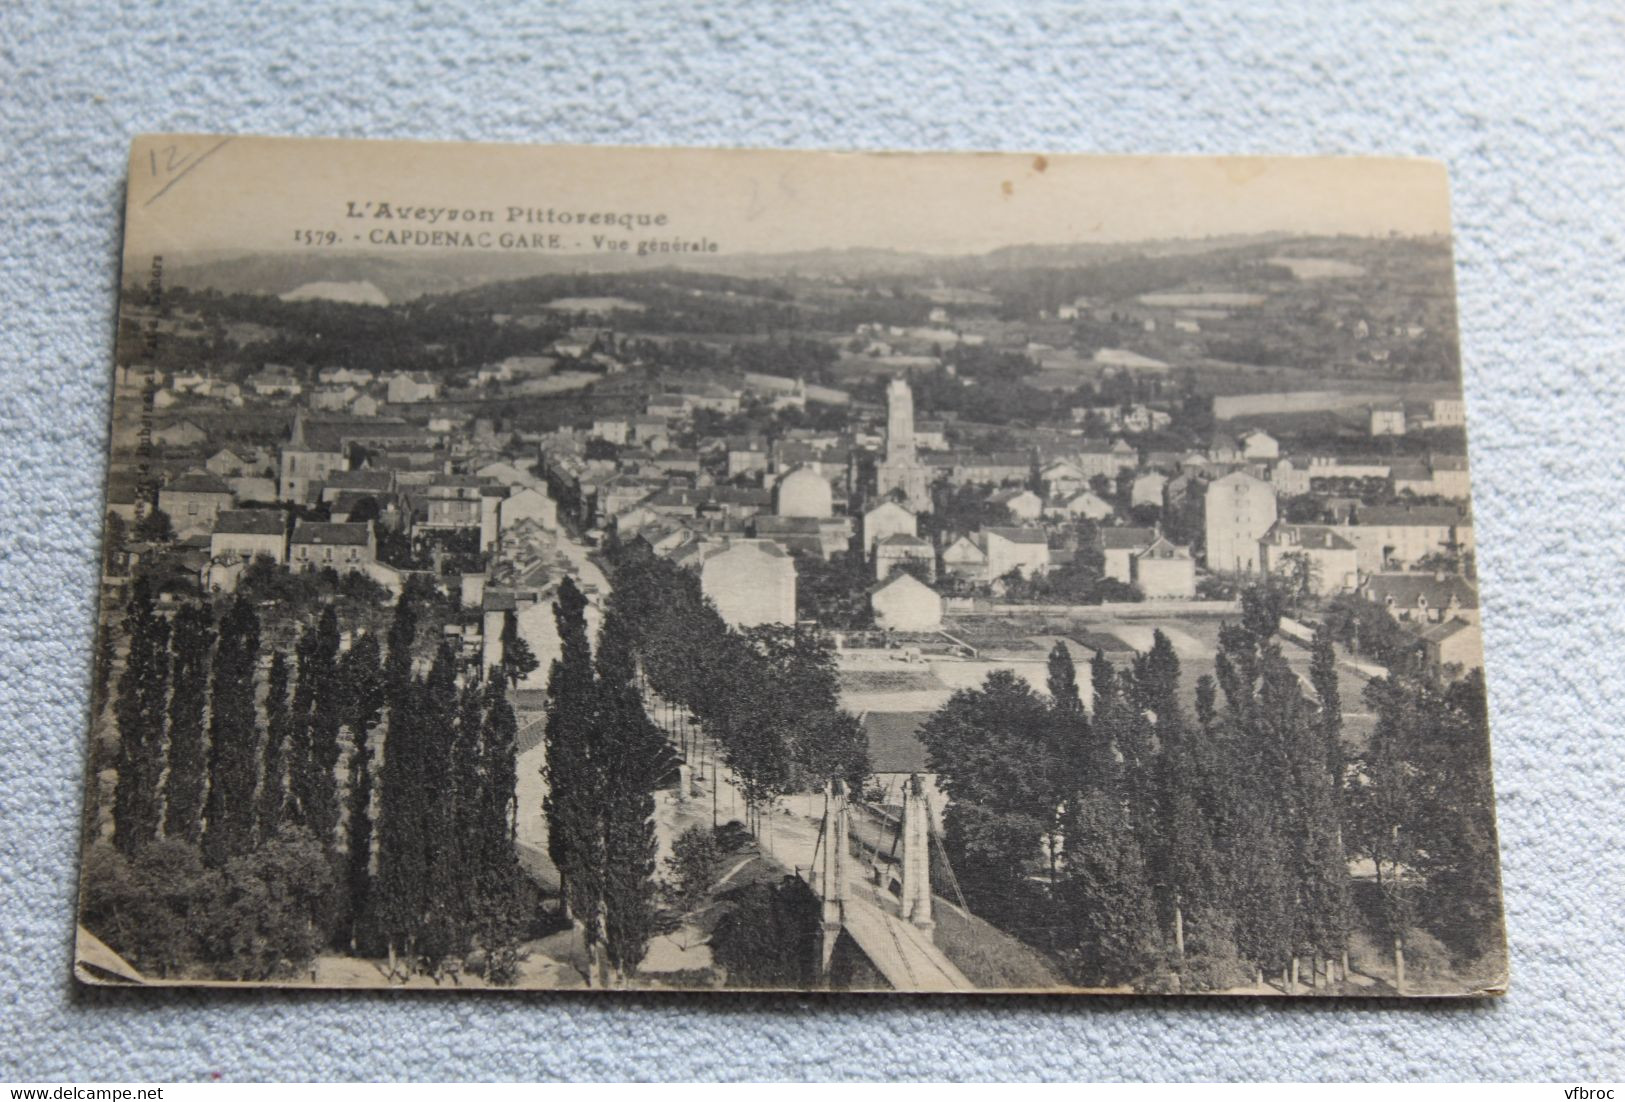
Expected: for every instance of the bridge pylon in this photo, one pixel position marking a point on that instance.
(915, 905)
(834, 869)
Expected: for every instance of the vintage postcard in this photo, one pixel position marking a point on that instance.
(717, 570)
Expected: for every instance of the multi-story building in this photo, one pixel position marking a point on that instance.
(900, 549)
(1163, 571)
(243, 535)
(193, 501)
(904, 603)
(1390, 536)
(319, 544)
(1239, 510)
(1022, 549)
(1118, 546)
(751, 582)
(804, 493)
(889, 518)
(1332, 562)
(1423, 598)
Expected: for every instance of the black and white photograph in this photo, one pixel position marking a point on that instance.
(715, 570)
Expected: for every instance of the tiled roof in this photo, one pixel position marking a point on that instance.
(1019, 535)
(739, 495)
(1316, 537)
(359, 480)
(199, 482)
(777, 526)
(1129, 539)
(320, 532)
(1412, 590)
(1164, 548)
(994, 459)
(765, 547)
(250, 522)
(901, 577)
(1412, 515)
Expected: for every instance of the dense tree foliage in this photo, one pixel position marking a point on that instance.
(233, 737)
(574, 783)
(767, 695)
(631, 750)
(989, 748)
(1144, 844)
(191, 640)
(273, 787)
(252, 854)
(140, 714)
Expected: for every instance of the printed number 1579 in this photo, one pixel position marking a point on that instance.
(315, 237)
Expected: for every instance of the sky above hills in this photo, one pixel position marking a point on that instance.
(190, 197)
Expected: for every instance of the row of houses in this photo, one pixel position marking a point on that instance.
(1241, 514)
(483, 500)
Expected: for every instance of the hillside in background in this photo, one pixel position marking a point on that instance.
(405, 276)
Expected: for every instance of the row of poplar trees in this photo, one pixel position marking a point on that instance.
(605, 758)
(767, 696)
(227, 779)
(1150, 844)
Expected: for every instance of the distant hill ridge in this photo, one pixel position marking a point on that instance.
(400, 278)
(360, 292)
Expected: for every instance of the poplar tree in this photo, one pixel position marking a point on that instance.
(574, 782)
(1068, 747)
(499, 750)
(1307, 890)
(361, 673)
(1108, 913)
(466, 798)
(402, 637)
(1206, 705)
(233, 737)
(273, 769)
(518, 660)
(1105, 893)
(631, 749)
(1062, 678)
(499, 922)
(397, 893)
(143, 690)
(440, 926)
(296, 765)
(1178, 837)
(190, 641)
(1107, 720)
(318, 714)
(1251, 867)
(1462, 904)
(1329, 725)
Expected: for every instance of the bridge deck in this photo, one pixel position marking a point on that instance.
(904, 954)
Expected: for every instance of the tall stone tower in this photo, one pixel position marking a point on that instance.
(899, 422)
(902, 469)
